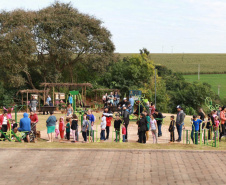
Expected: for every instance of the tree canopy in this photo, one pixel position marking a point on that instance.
(40, 45)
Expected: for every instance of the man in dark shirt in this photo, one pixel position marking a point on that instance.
(159, 118)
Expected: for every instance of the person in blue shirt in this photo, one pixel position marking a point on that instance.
(70, 99)
(195, 128)
(25, 126)
(48, 99)
(131, 100)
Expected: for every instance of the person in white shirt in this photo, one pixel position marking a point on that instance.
(103, 127)
(3, 123)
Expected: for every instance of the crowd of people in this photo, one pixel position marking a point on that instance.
(149, 120)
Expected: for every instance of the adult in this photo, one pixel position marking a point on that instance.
(219, 112)
(105, 99)
(46, 105)
(108, 116)
(202, 116)
(50, 124)
(125, 115)
(48, 99)
(34, 121)
(140, 108)
(116, 98)
(152, 109)
(131, 100)
(3, 122)
(159, 119)
(69, 110)
(179, 121)
(111, 98)
(70, 99)
(142, 127)
(123, 102)
(33, 104)
(223, 119)
(25, 126)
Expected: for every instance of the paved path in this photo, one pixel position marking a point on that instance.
(87, 166)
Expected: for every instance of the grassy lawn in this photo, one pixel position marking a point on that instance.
(188, 63)
(109, 145)
(213, 79)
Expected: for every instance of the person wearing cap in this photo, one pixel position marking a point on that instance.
(124, 102)
(159, 118)
(3, 122)
(125, 115)
(179, 121)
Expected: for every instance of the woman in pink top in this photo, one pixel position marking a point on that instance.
(223, 119)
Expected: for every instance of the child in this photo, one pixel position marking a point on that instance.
(61, 128)
(216, 126)
(209, 125)
(89, 130)
(117, 124)
(57, 130)
(9, 111)
(68, 126)
(74, 127)
(103, 127)
(148, 124)
(153, 125)
(171, 129)
(195, 128)
(84, 128)
(124, 133)
(15, 125)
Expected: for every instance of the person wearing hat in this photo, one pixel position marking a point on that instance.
(3, 122)
(179, 121)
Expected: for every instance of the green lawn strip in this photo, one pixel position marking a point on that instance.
(110, 145)
(213, 79)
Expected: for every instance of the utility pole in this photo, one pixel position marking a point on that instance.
(155, 88)
(172, 49)
(219, 90)
(198, 71)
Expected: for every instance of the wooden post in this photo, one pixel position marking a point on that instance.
(44, 96)
(53, 95)
(27, 101)
(22, 99)
(85, 96)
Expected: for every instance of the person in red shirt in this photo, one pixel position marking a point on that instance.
(108, 121)
(124, 133)
(34, 120)
(61, 128)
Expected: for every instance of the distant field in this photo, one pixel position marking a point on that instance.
(188, 63)
(213, 79)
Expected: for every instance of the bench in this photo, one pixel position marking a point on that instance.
(47, 108)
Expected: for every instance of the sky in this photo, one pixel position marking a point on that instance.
(161, 26)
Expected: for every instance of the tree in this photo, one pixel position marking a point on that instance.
(41, 45)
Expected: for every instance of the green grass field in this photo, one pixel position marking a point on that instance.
(213, 79)
(188, 63)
